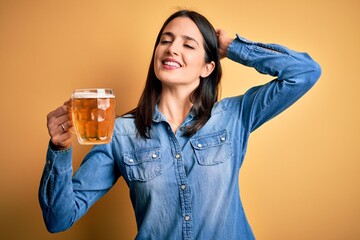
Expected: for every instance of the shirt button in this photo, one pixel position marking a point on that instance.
(177, 156)
(199, 145)
(154, 155)
(222, 139)
(187, 218)
(131, 160)
(183, 186)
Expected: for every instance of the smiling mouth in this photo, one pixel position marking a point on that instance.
(172, 64)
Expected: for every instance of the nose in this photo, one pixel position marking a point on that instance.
(173, 49)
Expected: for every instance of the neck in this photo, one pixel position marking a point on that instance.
(175, 107)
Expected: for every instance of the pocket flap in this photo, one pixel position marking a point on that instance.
(210, 140)
(141, 156)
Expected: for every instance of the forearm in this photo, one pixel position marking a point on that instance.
(274, 60)
(296, 73)
(65, 197)
(56, 192)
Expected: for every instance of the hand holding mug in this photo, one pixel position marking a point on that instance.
(59, 124)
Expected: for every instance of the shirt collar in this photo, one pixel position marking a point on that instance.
(159, 117)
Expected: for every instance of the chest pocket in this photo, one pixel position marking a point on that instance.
(143, 164)
(212, 148)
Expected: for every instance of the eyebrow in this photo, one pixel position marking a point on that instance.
(184, 37)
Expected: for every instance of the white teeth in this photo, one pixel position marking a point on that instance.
(173, 64)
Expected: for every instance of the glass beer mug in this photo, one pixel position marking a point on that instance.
(93, 115)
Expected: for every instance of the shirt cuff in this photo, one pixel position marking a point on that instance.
(59, 160)
(239, 49)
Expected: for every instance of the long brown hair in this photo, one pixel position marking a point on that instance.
(203, 97)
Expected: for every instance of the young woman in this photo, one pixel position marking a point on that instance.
(180, 150)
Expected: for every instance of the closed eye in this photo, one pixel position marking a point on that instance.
(165, 41)
(189, 46)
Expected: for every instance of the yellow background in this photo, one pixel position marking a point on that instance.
(301, 175)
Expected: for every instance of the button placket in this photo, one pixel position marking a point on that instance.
(184, 190)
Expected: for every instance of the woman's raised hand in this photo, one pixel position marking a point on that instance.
(60, 126)
(224, 41)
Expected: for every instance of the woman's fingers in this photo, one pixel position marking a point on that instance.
(224, 41)
(59, 124)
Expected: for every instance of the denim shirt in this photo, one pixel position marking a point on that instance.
(181, 187)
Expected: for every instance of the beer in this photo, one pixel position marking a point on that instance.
(93, 112)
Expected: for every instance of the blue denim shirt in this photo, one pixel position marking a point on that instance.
(181, 187)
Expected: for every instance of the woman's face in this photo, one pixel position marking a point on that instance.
(180, 56)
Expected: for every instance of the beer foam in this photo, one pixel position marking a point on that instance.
(99, 94)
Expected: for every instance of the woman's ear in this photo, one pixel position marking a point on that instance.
(207, 70)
